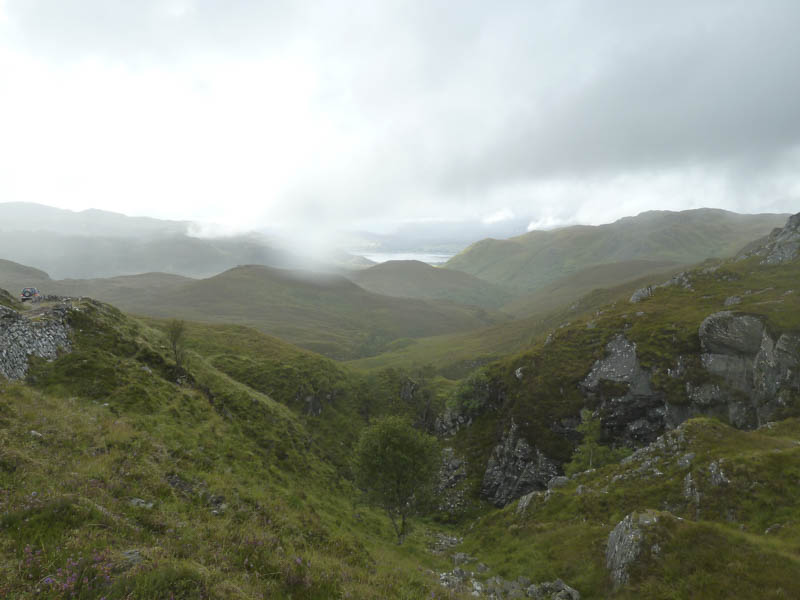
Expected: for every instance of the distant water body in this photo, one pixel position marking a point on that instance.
(431, 259)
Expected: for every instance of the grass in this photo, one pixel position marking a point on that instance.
(711, 553)
(135, 486)
(533, 260)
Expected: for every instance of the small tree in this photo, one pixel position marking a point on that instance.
(396, 464)
(591, 453)
(176, 333)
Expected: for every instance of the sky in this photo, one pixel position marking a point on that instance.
(364, 115)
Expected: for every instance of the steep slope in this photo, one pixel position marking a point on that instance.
(123, 476)
(689, 516)
(720, 340)
(530, 261)
(415, 279)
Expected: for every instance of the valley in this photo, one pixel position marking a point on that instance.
(621, 428)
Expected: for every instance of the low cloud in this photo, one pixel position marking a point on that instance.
(322, 115)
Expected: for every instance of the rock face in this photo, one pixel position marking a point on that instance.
(781, 246)
(514, 469)
(21, 337)
(626, 543)
(450, 488)
(756, 372)
(632, 412)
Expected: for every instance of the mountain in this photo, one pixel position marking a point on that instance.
(566, 290)
(530, 261)
(415, 279)
(320, 311)
(721, 340)
(41, 219)
(644, 449)
(92, 244)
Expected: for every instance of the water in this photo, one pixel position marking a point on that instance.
(431, 259)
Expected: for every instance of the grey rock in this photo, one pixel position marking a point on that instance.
(642, 294)
(519, 373)
(20, 337)
(716, 474)
(625, 545)
(639, 414)
(524, 502)
(139, 503)
(686, 460)
(781, 246)
(732, 300)
(553, 590)
(451, 495)
(757, 373)
(36, 434)
(481, 568)
(514, 469)
(556, 482)
(731, 334)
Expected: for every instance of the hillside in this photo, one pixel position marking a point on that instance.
(415, 279)
(721, 340)
(124, 476)
(532, 260)
(94, 244)
(325, 313)
(566, 290)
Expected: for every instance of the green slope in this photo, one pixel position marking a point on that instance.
(529, 261)
(566, 290)
(415, 279)
(325, 313)
(122, 477)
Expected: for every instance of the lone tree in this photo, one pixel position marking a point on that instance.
(176, 333)
(591, 453)
(396, 464)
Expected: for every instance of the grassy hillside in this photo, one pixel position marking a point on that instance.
(566, 290)
(704, 544)
(124, 477)
(325, 313)
(456, 355)
(415, 279)
(322, 312)
(530, 261)
(663, 328)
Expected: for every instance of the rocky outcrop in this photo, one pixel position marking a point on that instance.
(755, 372)
(781, 246)
(682, 280)
(514, 469)
(626, 543)
(44, 336)
(451, 492)
(631, 410)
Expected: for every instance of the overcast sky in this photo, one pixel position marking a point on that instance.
(358, 114)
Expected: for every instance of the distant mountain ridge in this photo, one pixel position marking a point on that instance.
(415, 279)
(532, 260)
(323, 312)
(94, 243)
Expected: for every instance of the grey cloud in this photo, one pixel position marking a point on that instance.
(444, 103)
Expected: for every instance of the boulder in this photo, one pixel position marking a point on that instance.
(514, 469)
(626, 543)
